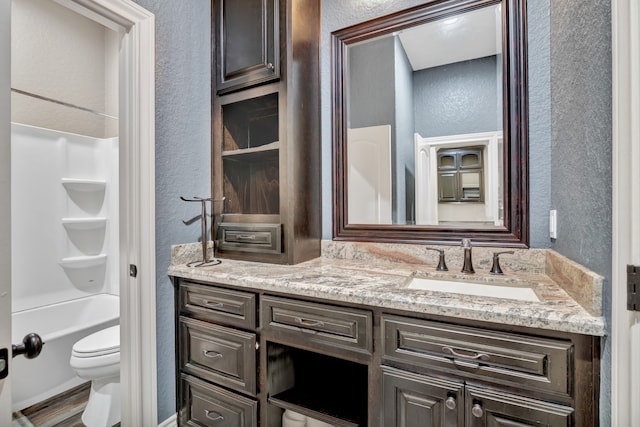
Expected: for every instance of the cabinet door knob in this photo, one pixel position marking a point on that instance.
(270, 66)
(477, 411)
(450, 403)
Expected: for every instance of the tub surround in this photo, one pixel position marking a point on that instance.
(377, 274)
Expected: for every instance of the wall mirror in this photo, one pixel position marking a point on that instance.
(430, 125)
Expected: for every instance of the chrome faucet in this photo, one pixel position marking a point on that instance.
(467, 266)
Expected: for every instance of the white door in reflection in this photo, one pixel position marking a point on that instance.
(369, 175)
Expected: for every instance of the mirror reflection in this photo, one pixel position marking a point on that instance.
(424, 124)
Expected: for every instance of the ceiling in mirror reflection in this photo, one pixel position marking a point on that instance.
(471, 35)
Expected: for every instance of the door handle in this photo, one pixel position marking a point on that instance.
(4, 362)
(30, 347)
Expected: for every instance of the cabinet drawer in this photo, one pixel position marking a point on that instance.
(218, 354)
(204, 404)
(259, 238)
(528, 361)
(320, 323)
(234, 308)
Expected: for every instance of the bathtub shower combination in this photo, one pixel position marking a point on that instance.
(64, 207)
(60, 325)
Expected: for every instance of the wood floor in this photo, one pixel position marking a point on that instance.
(63, 410)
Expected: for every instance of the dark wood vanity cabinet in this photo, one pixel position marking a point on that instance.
(247, 43)
(217, 353)
(245, 356)
(476, 377)
(266, 130)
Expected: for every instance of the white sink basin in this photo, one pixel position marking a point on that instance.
(520, 293)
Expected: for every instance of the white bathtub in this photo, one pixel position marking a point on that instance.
(60, 326)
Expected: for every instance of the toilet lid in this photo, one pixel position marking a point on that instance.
(106, 341)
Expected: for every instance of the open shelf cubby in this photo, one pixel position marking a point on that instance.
(251, 157)
(323, 387)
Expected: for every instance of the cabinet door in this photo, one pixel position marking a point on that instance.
(412, 400)
(247, 43)
(497, 409)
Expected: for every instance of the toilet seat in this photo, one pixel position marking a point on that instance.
(102, 343)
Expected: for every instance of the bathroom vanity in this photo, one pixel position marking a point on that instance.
(349, 342)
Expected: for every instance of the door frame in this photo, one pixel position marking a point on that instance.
(137, 196)
(625, 329)
(5, 193)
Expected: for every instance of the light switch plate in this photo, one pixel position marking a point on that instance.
(553, 224)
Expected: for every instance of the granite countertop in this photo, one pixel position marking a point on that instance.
(385, 285)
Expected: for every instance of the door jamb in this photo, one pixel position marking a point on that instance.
(138, 374)
(625, 329)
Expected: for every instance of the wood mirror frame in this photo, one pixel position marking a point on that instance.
(515, 231)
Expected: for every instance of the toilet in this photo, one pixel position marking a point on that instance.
(97, 358)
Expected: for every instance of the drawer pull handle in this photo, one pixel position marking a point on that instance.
(216, 416)
(306, 322)
(478, 356)
(212, 304)
(246, 236)
(212, 354)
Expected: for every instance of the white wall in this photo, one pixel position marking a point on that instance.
(62, 55)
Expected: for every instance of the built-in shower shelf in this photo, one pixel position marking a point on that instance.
(83, 261)
(84, 223)
(84, 184)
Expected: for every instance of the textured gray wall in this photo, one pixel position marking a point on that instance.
(457, 98)
(538, 63)
(405, 165)
(581, 145)
(183, 144)
(371, 95)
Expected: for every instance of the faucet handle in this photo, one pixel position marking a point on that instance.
(495, 268)
(442, 265)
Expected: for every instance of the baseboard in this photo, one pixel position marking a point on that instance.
(172, 421)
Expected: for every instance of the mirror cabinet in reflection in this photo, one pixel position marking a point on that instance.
(430, 125)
